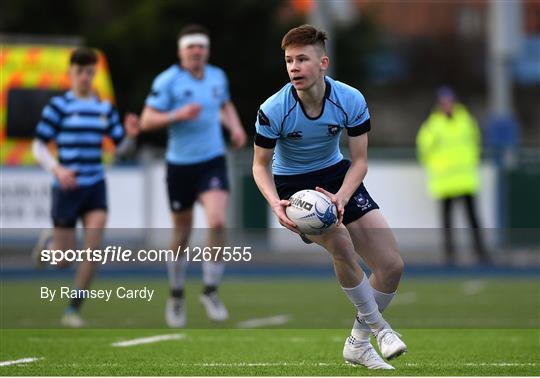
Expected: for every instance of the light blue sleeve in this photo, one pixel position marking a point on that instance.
(49, 124)
(226, 92)
(267, 123)
(357, 109)
(159, 97)
(115, 129)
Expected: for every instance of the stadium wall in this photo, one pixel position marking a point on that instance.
(138, 199)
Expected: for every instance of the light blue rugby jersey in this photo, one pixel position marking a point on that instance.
(200, 139)
(304, 144)
(78, 127)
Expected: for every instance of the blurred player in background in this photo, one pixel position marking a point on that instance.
(303, 122)
(77, 123)
(192, 99)
(449, 146)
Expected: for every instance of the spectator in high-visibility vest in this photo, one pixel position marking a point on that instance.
(448, 146)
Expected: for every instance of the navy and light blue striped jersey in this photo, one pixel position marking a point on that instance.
(199, 139)
(304, 144)
(78, 127)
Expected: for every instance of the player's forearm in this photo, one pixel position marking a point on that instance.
(43, 156)
(354, 177)
(265, 183)
(230, 117)
(156, 120)
(126, 147)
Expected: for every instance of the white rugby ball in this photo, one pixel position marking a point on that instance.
(312, 212)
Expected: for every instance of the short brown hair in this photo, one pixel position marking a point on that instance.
(83, 56)
(193, 29)
(303, 36)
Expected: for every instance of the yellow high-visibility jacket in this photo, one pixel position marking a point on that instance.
(449, 149)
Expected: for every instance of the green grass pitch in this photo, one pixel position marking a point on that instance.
(452, 327)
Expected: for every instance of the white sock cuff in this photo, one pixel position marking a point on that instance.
(383, 299)
(362, 284)
(361, 334)
(212, 272)
(177, 272)
(361, 296)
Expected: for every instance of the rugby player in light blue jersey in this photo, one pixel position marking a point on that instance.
(77, 123)
(192, 99)
(299, 129)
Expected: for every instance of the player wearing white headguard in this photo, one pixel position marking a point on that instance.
(192, 100)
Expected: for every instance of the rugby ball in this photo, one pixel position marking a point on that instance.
(312, 212)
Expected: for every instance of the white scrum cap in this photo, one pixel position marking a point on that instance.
(193, 39)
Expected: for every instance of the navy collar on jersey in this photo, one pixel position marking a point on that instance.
(327, 91)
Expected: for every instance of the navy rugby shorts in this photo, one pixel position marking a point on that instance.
(330, 179)
(186, 182)
(69, 205)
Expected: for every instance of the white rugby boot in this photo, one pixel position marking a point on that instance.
(390, 343)
(215, 309)
(175, 312)
(72, 319)
(363, 353)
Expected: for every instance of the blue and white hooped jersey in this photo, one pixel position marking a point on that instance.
(304, 144)
(78, 126)
(199, 139)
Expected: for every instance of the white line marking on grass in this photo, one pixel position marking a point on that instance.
(263, 322)
(477, 364)
(500, 364)
(473, 287)
(148, 340)
(307, 364)
(20, 361)
(405, 298)
(299, 339)
(260, 364)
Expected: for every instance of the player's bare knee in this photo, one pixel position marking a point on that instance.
(339, 240)
(397, 268)
(341, 253)
(391, 271)
(89, 265)
(217, 223)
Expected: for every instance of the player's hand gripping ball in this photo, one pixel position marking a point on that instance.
(312, 212)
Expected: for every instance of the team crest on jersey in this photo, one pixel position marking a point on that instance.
(295, 135)
(333, 130)
(263, 119)
(182, 95)
(215, 183)
(362, 202)
(216, 92)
